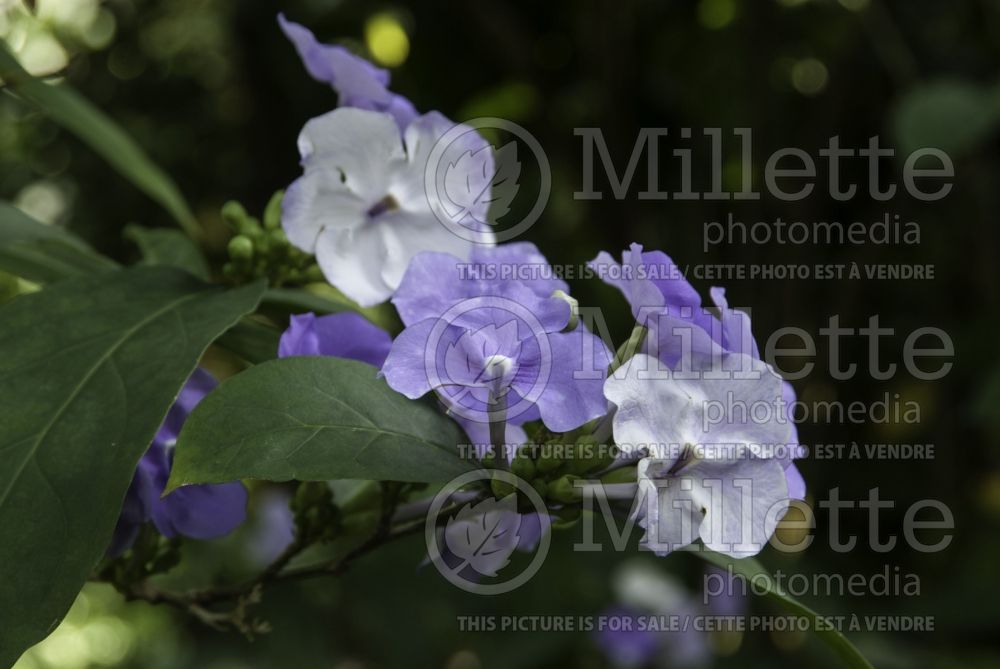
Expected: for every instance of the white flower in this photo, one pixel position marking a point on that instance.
(361, 204)
(718, 449)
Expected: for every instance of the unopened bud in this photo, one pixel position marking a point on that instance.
(563, 490)
(566, 517)
(272, 212)
(574, 309)
(240, 248)
(502, 488)
(523, 466)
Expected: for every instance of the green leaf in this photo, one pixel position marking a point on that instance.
(293, 300)
(162, 246)
(252, 341)
(44, 253)
(76, 114)
(88, 370)
(313, 419)
(948, 114)
(753, 571)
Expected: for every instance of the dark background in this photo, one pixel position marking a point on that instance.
(217, 96)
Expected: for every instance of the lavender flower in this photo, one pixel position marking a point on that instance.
(631, 638)
(197, 511)
(436, 282)
(344, 335)
(362, 207)
(358, 83)
(682, 331)
(713, 471)
(494, 348)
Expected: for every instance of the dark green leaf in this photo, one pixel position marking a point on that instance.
(754, 572)
(88, 369)
(44, 253)
(75, 113)
(162, 246)
(252, 341)
(314, 419)
(293, 300)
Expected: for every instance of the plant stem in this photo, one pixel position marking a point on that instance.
(498, 432)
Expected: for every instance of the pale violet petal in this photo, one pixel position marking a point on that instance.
(733, 507)
(364, 147)
(315, 201)
(351, 260)
(406, 233)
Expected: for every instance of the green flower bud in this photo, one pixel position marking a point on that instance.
(272, 212)
(566, 517)
(278, 237)
(310, 494)
(240, 248)
(314, 274)
(630, 347)
(316, 516)
(359, 524)
(251, 228)
(233, 213)
(502, 488)
(623, 475)
(262, 245)
(589, 455)
(563, 490)
(574, 309)
(548, 460)
(523, 466)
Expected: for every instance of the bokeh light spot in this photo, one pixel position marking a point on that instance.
(716, 14)
(386, 40)
(809, 76)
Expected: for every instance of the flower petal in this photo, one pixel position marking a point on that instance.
(363, 146)
(202, 511)
(405, 369)
(573, 393)
(732, 507)
(664, 411)
(523, 262)
(344, 335)
(352, 259)
(316, 201)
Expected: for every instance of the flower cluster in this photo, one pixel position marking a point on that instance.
(502, 351)
(715, 471)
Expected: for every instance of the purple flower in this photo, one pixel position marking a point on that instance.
(623, 641)
(197, 511)
(344, 335)
(436, 282)
(632, 634)
(715, 469)
(508, 531)
(494, 347)
(681, 330)
(272, 528)
(358, 83)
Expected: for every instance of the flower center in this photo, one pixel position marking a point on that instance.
(686, 457)
(385, 205)
(497, 367)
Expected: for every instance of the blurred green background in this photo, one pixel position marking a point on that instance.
(216, 95)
